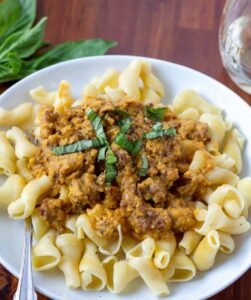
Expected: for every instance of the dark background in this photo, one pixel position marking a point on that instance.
(181, 31)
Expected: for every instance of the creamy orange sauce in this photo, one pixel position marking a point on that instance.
(160, 204)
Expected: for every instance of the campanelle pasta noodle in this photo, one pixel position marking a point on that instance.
(38, 224)
(7, 156)
(45, 255)
(227, 244)
(105, 246)
(205, 253)
(216, 219)
(91, 261)
(233, 146)
(140, 259)
(41, 96)
(180, 269)
(23, 147)
(15, 116)
(244, 186)
(190, 99)
(63, 96)
(22, 169)
(11, 189)
(230, 199)
(72, 249)
(189, 241)
(217, 130)
(23, 207)
(163, 252)
(93, 275)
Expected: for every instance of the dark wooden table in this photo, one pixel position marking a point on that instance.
(181, 31)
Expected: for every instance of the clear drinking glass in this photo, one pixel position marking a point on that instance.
(235, 41)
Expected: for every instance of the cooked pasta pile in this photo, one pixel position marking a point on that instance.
(119, 186)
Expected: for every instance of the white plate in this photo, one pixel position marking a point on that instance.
(175, 78)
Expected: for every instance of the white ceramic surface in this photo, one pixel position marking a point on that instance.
(175, 78)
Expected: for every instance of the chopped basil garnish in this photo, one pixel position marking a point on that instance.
(133, 147)
(110, 173)
(124, 125)
(110, 169)
(143, 170)
(137, 145)
(157, 126)
(121, 113)
(101, 153)
(111, 158)
(155, 114)
(155, 134)
(76, 147)
(97, 125)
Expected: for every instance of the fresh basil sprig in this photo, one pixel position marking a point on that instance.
(19, 42)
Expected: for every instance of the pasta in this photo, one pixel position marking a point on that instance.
(23, 147)
(216, 219)
(105, 247)
(45, 255)
(139, 258)
(190, 99)
(41, 96)
(11, 189)
(38, 224)
(180, 269)
(205, 253)
(93, 275)
(189, 241)
(216, 129)
(227, 244)
(71, 248)
(229, 199)
(63, 96)
(7, 156)
(244, 186)
(23, 170)
(233, 146)
(163, 252)
(119, 186)
(23, 207)
(15, 116)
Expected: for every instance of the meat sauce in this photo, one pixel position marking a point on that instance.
(157, 205)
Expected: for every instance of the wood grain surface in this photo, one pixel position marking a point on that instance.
(180, 31)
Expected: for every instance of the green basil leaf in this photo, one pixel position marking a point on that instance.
(110, 173)
(71, 50)
(122, 140)
(124, 125)
(137, 145)
(158, 126)
(143, 170)
(156, 134)
(76, 147)
(155, 114)
(97, 125)
(111, 158)
(121, 113)
(16, 15)
(101, 153)
(23, 43)
(9, 12)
